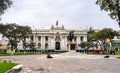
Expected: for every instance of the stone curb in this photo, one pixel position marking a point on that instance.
(10, 71)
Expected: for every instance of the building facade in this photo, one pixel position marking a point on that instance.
(56, 38)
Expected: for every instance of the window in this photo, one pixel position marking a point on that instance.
(46, 45)
(67, 38)
(32, 38)
(39, 45)
(75, 38)
(81, 38)
(46, 38)
(39, 38)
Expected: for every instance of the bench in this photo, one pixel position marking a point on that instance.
(17, 68)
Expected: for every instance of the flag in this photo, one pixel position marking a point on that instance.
(57, 23)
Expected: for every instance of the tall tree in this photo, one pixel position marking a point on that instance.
(107, 33)
(94, 36)
(4, 5)
(14, 33)
(8, 31)
(22, 32)
(112, 6)
(83, 45)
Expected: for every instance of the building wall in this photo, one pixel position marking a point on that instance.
(62, 34)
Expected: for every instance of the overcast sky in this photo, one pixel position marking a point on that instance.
(73, 14)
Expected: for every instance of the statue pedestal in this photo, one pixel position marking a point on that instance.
(71, 46)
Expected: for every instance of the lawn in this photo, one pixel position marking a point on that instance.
(6, 66)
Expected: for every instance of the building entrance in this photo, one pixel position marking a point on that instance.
(57, 45)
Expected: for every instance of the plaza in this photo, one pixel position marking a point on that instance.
(29, 37)
(70, 62)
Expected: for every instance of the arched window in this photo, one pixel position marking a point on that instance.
(39, 45)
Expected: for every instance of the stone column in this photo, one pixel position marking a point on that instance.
(36, 41)
(29, 39)
(85, 38)
(42, 42)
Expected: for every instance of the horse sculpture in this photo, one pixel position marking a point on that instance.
(71, 36)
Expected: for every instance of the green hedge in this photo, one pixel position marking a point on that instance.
(20, 53)
(95, 53)
(6, 54)
(25, 53)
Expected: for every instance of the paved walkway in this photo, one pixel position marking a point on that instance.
(82, 56)
(70, 62)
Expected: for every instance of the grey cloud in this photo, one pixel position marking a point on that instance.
(71, 13)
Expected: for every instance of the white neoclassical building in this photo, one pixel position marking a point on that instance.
(56, 38)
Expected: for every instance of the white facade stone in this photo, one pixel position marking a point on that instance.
(57, 39)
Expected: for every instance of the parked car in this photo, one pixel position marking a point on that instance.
(99, 51)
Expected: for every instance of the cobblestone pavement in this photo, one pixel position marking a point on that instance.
(67, 63)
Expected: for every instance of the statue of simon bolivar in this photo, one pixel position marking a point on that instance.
(71, 36)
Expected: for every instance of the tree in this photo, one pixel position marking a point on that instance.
(4, 5)
(102, 35)
(14, 33)
(7, 31)
(112, 6)
(107, 33)
(93, 36)
(1, 27)
(23, 31)
(83, 44)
